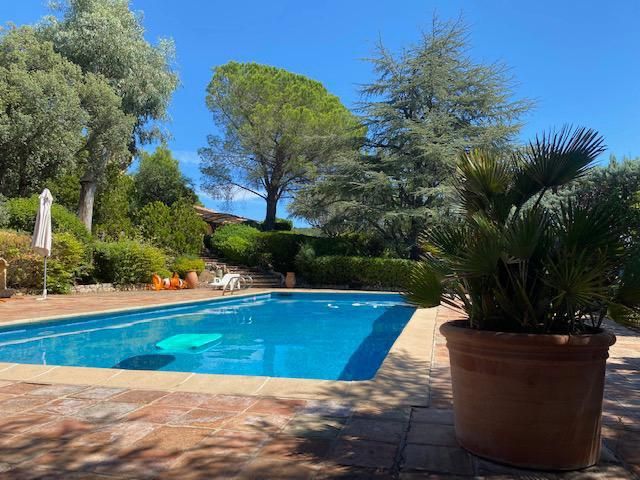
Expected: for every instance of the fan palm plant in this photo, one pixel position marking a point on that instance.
(510, 263)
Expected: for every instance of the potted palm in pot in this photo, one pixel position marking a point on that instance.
(533, 285)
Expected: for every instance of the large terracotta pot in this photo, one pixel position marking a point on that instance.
(192, 279)
(290, 280)
(531, 401)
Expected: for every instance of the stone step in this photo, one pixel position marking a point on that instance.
(261, 278)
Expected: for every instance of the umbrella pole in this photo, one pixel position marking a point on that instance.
(44, 290)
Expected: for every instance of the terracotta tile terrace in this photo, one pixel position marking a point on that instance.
(102, 432)
(26, 307)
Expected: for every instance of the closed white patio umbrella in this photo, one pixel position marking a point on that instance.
(41, 242)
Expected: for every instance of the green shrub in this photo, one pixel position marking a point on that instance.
(236, 243)
(66, 190)
(304, 258)
(247, 245)
(178, 229)
(113, 211)
(282, 248)
(353, 271)
(283, 225)
(280, 225)
(183, 265)
(127, 262)
(68, 261)
(4, 213)
(22, 217)
(351, 244)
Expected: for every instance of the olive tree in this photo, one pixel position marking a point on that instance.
(41, 114)
(55, 118)
(106, 38)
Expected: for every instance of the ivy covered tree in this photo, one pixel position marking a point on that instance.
(115, 206)
(279, 130)
(427, 103)
(106, 38)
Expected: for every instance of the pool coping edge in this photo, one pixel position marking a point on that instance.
(401, 380)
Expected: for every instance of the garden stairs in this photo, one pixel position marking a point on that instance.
(261, 278)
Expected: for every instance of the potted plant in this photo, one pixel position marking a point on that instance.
(533, 284)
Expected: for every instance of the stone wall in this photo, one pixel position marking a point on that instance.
(106, 287)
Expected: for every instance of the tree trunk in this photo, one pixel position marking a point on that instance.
(87, 196)
(270, 218)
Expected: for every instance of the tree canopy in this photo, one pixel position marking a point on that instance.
(279, 130)
(41, 114)
(159, 179)
(427, 104)
(105, 38)
(55, 117)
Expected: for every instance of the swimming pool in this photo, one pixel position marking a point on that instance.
(331, 336)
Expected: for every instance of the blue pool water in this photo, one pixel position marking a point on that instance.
(329, 336)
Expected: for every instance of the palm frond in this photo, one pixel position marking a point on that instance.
(558, 157)
(424, 287)
(577, 281)
(527, 234)
(483, 179)
(589, 228)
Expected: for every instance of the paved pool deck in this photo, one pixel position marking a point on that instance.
(81, 427)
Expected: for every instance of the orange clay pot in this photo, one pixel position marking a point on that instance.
(192, 279)
(527, 400)
(290, 280)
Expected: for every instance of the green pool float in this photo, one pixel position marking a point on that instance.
(188, 342)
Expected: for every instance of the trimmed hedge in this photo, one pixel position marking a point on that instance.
(282, 248)
(184, 265)
(247, 245)
(22, 217)
(355, 271)
(128, 262)
(68, 261)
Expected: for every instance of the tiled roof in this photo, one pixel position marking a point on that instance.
(218, 218)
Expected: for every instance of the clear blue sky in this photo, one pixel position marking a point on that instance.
(578, 59)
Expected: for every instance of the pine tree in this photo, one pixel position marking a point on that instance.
(427, 104)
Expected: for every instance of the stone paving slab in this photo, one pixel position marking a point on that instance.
(86, 433)
(98, 432)
(28, 307)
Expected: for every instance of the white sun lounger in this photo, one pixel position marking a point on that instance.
(230, 281)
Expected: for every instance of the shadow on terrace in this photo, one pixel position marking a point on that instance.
(367, 431)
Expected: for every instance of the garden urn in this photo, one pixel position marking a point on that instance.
(290, 280)
(192, 279)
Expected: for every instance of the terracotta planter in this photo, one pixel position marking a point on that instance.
(290, 280)
(531, 401)
(192, 279)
